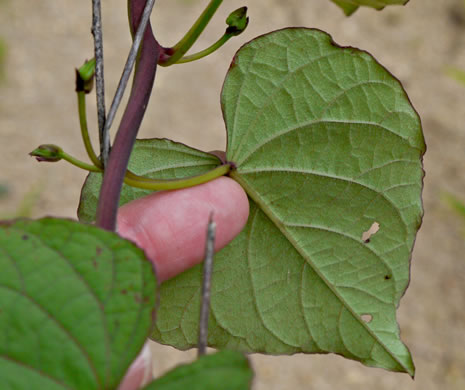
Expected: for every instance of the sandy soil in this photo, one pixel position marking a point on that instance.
(47, 39)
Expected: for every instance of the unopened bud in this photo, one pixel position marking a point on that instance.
(48, 152)
(237, 21)
(85, 77)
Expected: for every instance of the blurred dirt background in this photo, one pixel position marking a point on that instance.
(45, 40)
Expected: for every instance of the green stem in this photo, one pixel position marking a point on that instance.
(79, 163)
(194, 32)
(84, 129)
(197, 56)
(177, 184)
(61, 155)
(146, 183)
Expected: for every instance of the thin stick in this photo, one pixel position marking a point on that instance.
(104, 136)
(206, 286)
(129, 64)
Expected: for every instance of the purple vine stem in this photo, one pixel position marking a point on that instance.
(144, 78)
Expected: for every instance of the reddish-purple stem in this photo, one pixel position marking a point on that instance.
(124, 141)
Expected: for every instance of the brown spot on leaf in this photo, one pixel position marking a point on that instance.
(366, 318)
(366, 236)
(25, 237)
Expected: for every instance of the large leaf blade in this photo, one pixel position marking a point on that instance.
(76, 304)
(325, 153)
(326, 143)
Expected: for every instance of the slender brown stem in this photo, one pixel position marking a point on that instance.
(104, 137)
(140, 94)
(206, 287)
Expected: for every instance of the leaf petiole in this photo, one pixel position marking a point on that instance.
(176, 184)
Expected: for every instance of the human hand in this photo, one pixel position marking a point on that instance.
(171, 228)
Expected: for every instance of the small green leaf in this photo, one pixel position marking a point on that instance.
(350, 6)
(327, 145)
(154, 158)
(225, 370)
(76, 305)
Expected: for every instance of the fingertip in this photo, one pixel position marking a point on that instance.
(230, 201)
(171, 225)
(140, 372)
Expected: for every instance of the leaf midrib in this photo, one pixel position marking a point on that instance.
(255, 196)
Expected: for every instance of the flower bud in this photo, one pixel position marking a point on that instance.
(85, 77)
(237, 21)
(48, 152)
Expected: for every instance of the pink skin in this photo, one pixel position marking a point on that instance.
(140, 371)
(171, 227)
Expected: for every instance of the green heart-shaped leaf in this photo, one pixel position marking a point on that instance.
(225, 370)
(76, 305)
(350, 6)
(327, 146)
(153, 158)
